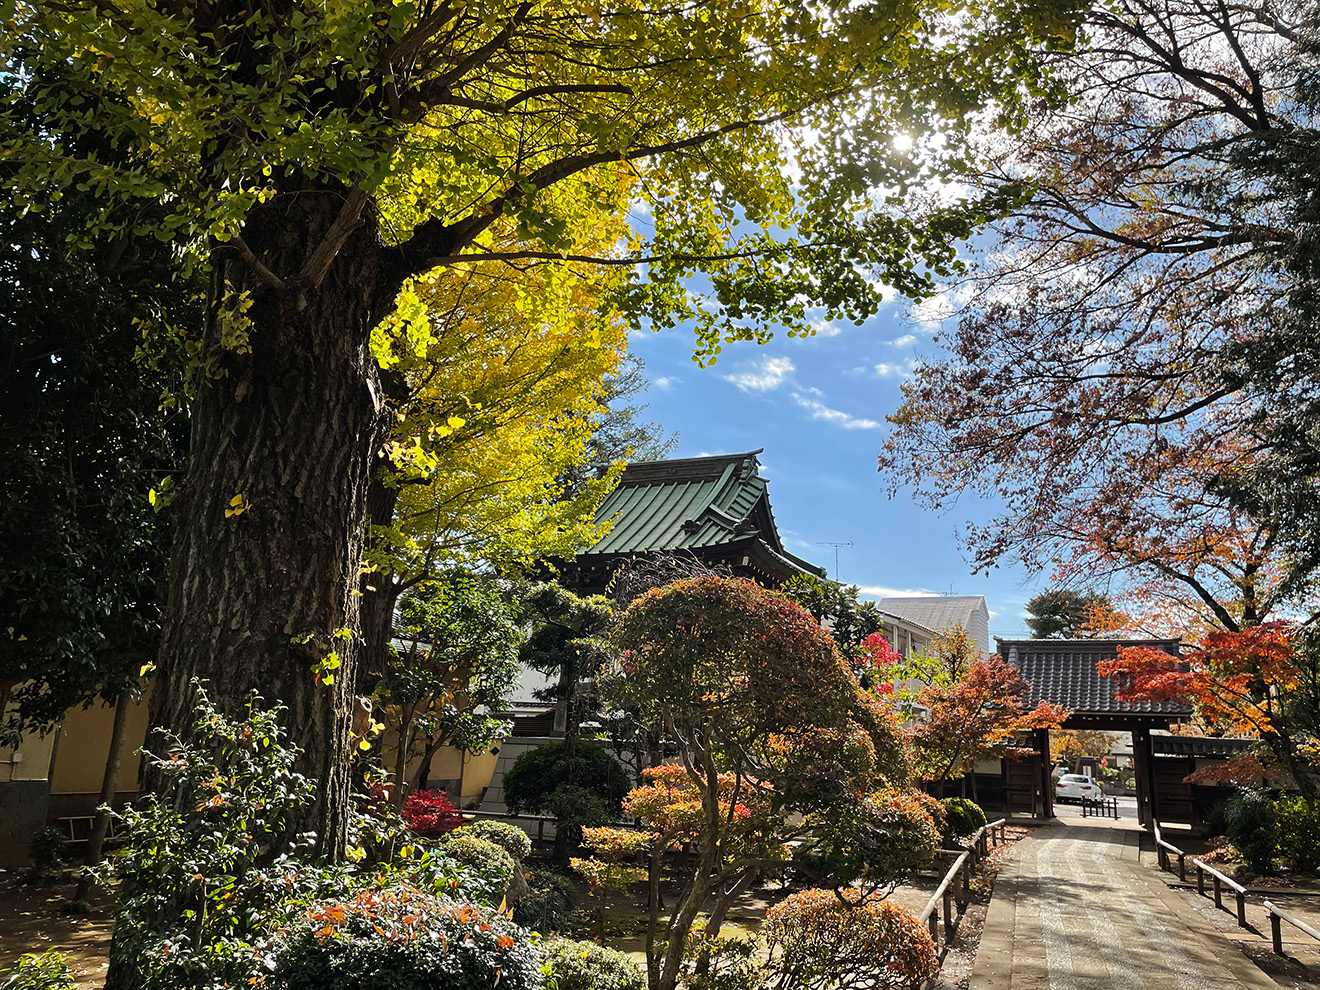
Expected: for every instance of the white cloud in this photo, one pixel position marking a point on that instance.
(664, 384)
(934, 310)
(879, 592)
(906, 340)
(992, 613)
(887, 369)
(763, 376)
(823, 412)
(825, 328)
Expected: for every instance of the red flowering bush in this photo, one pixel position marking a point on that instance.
(429, 814)
(817, 942)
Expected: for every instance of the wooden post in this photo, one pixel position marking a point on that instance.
(1242, 909)
(1200, 881)
(1182, 867)
(966, 873)
(948, 914)
(1219, 893)
(935, 927)
(1277, 933)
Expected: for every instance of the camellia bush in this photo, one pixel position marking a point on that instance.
(818, 941)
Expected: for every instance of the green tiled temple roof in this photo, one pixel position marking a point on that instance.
(693, 503)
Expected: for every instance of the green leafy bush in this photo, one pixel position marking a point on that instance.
(402, 938)
(40, 971)
(884, 838)
(491, 868)
(214, 860)
(815, 941)
(550, 903)
(721, 964)
(962, 817)
(1299, 832)
(48, 850)
(1252, 825)
(532, 783)
(588, 966)
(510, 838)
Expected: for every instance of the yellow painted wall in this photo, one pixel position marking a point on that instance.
(449, 763)
(30, 761)
(85, 744)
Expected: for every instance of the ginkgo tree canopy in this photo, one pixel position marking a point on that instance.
(314, 156)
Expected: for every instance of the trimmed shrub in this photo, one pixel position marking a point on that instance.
(535, 776)
(430, 814)
(1299, 832)
(510, 838)
(39, 971)
(401, 938)
(962, 817)
(549, 905)
(588, 966)
(884, 837)
(1252, 826)
(48, 850)
(815, 942)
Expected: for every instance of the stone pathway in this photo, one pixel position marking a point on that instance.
(1073, 909)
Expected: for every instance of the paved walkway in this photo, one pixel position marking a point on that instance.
(1074, 909)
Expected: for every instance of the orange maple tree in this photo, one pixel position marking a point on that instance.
(976, 717)
(1261, 681)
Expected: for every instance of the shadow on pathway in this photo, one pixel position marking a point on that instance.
(1074, 910)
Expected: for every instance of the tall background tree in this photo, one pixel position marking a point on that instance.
(86, 436)
(316, 159)
(1091, 382)
(1061, 613)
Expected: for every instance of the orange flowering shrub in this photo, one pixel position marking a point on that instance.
(816, 941)
(403, 938)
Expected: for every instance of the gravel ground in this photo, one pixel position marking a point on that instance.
(1300, 970)
(956, 967)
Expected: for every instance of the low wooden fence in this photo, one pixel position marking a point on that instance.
(1100, 808)
(1277, 915)
(950, 894)
(1167, 852)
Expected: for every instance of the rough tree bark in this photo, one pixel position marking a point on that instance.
(270, 523)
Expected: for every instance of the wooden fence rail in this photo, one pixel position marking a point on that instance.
(964, 863)
(1219, 881)
(1278, 914)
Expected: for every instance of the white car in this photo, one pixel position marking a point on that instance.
(1077, 787)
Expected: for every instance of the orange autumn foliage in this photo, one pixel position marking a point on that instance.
(1238, 681)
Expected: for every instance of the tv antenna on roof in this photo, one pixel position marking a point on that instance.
(827, 543)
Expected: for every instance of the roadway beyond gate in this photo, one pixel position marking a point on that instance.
(1074, 909)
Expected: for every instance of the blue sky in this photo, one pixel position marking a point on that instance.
(817, 405)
